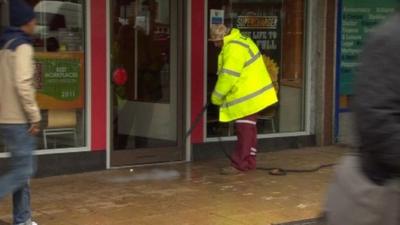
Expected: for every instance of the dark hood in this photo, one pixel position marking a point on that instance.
(16, 34)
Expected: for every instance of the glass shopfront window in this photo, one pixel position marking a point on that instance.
(59, 45)
(277, 27)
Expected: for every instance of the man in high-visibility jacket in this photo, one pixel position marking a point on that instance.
(243, 89)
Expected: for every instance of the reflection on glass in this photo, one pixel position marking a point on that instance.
(145, 105)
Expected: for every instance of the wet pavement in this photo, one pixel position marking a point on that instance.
(185, 194)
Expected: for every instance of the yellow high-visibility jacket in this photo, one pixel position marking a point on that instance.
(244, 86)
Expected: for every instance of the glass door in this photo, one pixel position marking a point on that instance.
(146, 81)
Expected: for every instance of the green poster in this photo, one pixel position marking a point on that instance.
(60, 78)
(359, 17)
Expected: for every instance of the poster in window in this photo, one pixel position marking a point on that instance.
(262, 23)
(59, 79)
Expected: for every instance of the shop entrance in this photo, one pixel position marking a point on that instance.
(146, 81)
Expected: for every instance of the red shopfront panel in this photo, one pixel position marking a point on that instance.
(99, 74)
(198, 7)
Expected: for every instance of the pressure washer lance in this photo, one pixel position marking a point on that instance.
(273, 170)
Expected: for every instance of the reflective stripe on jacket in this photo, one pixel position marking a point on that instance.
(244, 86)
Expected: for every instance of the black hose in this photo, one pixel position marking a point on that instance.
(197, 120)
(275, 171)
(282, 172)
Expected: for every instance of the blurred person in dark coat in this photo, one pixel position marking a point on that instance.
(366, 187)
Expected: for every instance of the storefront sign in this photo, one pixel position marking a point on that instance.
(265, 32)
(59, 80)
(359, 17)
(257, 22)
(262, 29)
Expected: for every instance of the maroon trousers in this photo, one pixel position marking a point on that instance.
(244, 157)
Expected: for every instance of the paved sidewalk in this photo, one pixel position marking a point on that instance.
(185, 194)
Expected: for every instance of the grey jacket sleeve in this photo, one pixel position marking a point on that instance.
(24, 71)
(377, 100)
